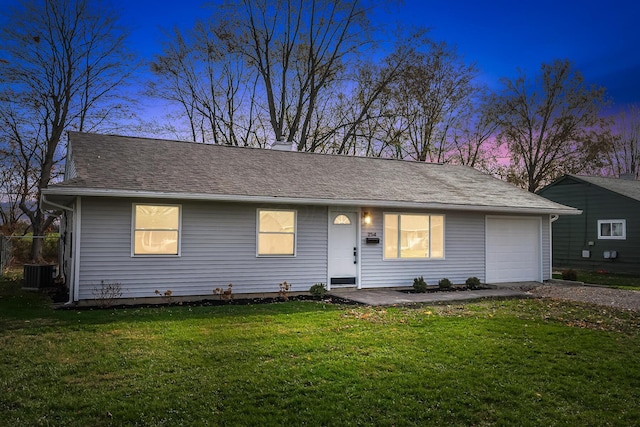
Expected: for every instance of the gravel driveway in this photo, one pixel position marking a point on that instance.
(618, 298)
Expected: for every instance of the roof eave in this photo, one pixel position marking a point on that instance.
(98, 192)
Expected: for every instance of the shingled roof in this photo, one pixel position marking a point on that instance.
(108, 165)
(626, 187)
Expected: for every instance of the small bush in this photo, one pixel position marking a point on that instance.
(419, 285)
(224, 294)
(569, 274)
(285, 288)
(166, 295)
(473, 283)
(106, 294)
(319, 290)
(445, 283)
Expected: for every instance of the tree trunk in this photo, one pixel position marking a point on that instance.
(37, 243)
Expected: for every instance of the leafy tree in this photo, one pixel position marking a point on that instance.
(551, 126)
(62, 61)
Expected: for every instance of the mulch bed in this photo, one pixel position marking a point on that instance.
(329, 299)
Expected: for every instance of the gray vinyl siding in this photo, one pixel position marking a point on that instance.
(218, 247)
(464, 253)
(546, 248)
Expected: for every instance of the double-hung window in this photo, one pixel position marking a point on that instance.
(156, 230)
(413, 236)
(612, 229)
(276, 232)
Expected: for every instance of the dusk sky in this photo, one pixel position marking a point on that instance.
(601, 38)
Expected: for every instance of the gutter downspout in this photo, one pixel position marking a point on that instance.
(55, 205)
(63, 208)
(553, 218)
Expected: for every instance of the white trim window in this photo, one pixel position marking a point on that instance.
(276, 232)
(413, 236)
(612, 229)
(156, 230)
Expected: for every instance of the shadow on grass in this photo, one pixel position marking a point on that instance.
(27, 309)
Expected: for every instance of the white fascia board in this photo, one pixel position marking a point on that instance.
(98, 192)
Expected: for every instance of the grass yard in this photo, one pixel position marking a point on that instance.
(612, 280)
(516, 362)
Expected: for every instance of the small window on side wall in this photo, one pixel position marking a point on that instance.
(156, 229)
(612, 229)
(276, 232)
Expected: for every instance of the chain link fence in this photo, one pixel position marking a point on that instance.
(15, 251)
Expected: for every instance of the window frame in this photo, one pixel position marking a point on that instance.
(399, 251)
(611, 222)
(134, 229)
(295, 233)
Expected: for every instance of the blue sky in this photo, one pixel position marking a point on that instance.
(601, 38)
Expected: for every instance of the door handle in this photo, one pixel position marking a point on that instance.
(355, 255)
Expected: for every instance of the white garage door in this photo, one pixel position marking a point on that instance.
(513, 249)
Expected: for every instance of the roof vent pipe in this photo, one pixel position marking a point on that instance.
(281, 145)
(628, 176)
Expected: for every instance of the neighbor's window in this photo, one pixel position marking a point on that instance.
(276, 232)
(156, 229)
(615, 229)
(413, 236)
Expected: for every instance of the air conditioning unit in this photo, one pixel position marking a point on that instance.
(38, 275)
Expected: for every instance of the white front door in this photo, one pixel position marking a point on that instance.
(343, 248)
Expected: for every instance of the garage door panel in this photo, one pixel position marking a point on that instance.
(513, 249)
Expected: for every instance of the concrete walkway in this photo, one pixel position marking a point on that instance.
(394, 296)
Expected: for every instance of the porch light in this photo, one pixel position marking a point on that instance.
(366, 218)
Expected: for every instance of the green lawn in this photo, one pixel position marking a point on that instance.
(620, 281)
(516, 362)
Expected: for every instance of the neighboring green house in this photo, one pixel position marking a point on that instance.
(607, 234)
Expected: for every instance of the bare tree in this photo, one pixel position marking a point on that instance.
(271, 70)
(10, 213)
(551, 126)
(624, 156)
(474, 139)
(62, 62)
(298, 49)
(210, 84)
(365, 119)
(434, 90)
